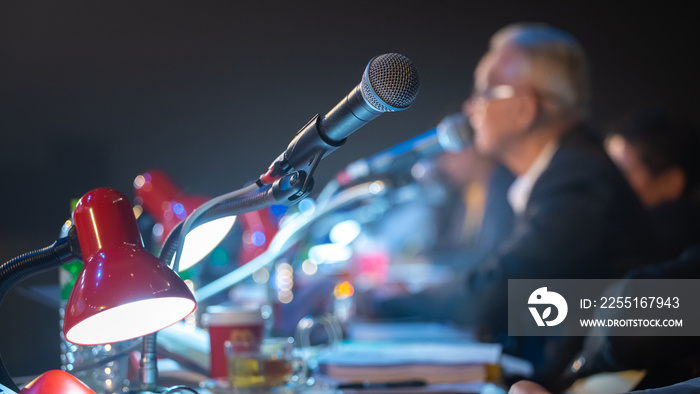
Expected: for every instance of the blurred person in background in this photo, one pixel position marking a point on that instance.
(660, 157)
(576, 216)
(469, 221)
(476, 216)
(657, 152)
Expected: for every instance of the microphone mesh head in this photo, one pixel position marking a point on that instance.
(390, 82)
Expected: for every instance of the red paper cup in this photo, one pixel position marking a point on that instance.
(242, 326)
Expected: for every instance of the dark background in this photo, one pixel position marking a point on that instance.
(93, 93)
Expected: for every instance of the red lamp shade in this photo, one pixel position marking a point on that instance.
(123, 292)
(162, 199)
(56, 382)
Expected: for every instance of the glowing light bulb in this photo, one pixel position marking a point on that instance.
(203, 239)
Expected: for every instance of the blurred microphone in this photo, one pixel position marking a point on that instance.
(389, 83)
(452, 134)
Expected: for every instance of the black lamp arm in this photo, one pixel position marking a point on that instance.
(13, 271)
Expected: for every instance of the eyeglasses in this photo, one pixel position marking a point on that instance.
(492, 93)
(499, 92)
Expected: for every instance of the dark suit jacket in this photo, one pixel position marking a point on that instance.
(582, 221)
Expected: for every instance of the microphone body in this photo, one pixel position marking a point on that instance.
(390, 83)
(452, 134)
(347, 116)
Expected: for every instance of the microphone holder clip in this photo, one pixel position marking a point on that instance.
(302, 155)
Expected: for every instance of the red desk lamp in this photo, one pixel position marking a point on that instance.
(137, 295)
(162, 199)
(123, 291)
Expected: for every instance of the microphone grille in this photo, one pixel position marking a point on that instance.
(390, 82)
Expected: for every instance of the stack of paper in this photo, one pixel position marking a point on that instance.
(432, 363)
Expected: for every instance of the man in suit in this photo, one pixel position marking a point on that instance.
(575, 215)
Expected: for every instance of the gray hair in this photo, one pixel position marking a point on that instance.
(555, 62)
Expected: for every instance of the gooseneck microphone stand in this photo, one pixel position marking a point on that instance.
(285, 190)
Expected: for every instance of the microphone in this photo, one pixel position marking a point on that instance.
(389, 83)
(452, 134)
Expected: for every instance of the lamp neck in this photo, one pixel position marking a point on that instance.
(28, 264)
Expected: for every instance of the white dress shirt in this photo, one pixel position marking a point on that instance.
(519, 191)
